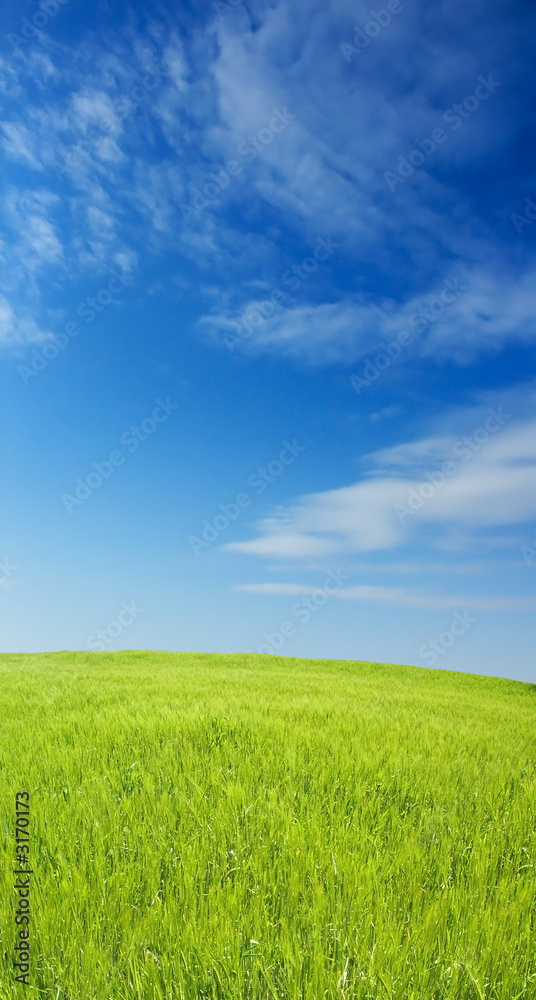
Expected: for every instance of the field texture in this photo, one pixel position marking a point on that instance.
(252, 828)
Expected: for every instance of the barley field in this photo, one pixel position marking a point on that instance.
(240, 827)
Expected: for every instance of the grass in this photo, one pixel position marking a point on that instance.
(258, 828)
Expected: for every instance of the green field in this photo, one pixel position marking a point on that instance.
(235, 827)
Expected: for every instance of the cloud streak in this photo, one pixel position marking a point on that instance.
(398, 596)
(493, 485)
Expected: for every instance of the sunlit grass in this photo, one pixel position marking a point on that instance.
(254, 828)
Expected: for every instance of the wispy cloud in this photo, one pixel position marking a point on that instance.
(482, 317)
(101, 126)
(399, 596)
(492, 484)
(17, 330)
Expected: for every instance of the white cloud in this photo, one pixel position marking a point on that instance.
(16, 330)
(492, 484)
(40, 236)
(93, 108)
(385, 414)
(484, 315)
(327, 332)
(323, 174)
(284, 544)
(21, 144)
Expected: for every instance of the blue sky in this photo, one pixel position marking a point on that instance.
(267, 328)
